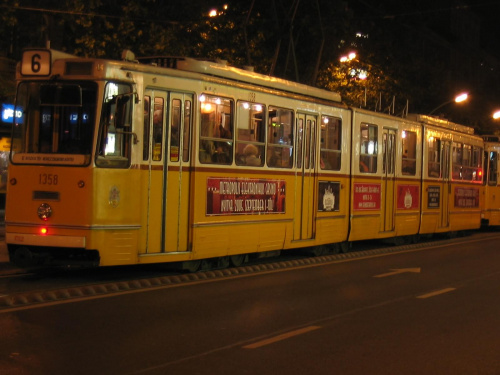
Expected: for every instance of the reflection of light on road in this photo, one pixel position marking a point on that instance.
(436, 293)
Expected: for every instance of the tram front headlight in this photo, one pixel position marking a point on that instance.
(44, 211)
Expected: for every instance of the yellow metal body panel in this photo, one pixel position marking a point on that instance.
(57, 186)
(407, 203)
(435, 202)
(99, 205)
(367, 204)
(491, 207)
(333, 226)
(491, 211)
(465, 208)
(230, 233)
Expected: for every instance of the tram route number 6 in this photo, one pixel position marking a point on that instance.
(36, 63)
(48, 179)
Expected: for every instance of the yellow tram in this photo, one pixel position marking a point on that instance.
(491, 209)
(180, 160)
(452, 194)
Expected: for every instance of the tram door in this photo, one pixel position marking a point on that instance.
(445, 173)
(305, 177)
(167, 126)
(388, 181)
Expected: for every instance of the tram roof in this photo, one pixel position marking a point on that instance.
(221, 69)
(442, 123)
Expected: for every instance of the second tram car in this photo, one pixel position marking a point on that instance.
(491, 211)
(180, 160)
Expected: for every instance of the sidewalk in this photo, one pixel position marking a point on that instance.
(6, 268)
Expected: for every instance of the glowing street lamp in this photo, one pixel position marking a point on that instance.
(351, 56)
(496, 115)
(461, 98)
(458, 99)
(215, 12)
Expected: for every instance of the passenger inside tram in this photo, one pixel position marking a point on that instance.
(251, 154)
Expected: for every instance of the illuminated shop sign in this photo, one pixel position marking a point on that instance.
(8, 113)
(73, 118)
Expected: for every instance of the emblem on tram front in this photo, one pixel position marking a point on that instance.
(114, 196)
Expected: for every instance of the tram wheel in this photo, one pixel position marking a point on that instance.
(191, 265)
(317, 251)
(335, 248)
(223, 262)
(415, 238)
(237, 260)
(344, 247)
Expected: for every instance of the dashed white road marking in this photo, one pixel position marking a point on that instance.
(284, 336)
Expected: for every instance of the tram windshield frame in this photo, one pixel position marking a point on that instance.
(54, 123)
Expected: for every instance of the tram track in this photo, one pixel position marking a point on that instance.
(100, 289)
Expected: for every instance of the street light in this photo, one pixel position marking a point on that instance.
(496, 115)
(349, 57)
(458, 99)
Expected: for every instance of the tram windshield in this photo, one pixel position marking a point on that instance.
(54, 123)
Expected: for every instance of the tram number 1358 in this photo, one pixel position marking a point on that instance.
(48, 179)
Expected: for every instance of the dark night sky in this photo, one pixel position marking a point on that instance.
(431, 11)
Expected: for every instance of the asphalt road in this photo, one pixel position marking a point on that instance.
(424, 311)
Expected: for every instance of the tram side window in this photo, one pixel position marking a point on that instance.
(116, 127)
(280, 138)
(299, 128)
(157, 140)
(175, 129)
(467, 169)
(145, 135)
(187, 130)
(409, 162)
(368, 148)
(331, 150)
(456, 173)
(493, 168)
(216, 135)
(434, 158)
(250, 134)
(476, 163)
(175, 125)
(306, 143)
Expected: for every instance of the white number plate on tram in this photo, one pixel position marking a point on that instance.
(36, 63)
